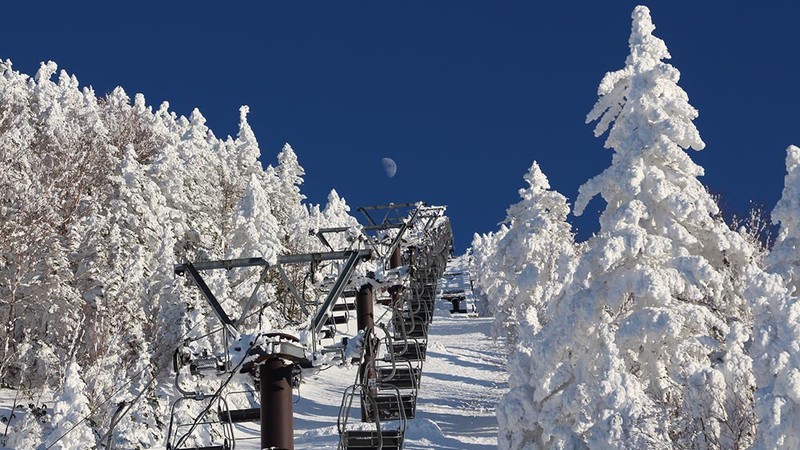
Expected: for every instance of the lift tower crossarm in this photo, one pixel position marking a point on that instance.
(194, 269)
(365, 210)
(363, 227)
(227, 264)
(324, 310)
(206, 291)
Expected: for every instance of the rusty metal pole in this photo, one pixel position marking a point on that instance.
(277, 427)
(395, 261)
(364, 307)
(366, 320)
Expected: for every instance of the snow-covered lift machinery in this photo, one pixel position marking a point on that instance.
(387, 389)
(410, 240)
(397, 216)
(273, 356)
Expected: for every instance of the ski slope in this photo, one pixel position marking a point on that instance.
(462, 380)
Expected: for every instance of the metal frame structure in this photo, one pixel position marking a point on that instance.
(388, 388)
(271, 351)
(275, 355)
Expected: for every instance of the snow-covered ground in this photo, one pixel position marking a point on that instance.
(463, 378)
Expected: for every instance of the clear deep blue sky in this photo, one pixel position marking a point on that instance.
(464, 95)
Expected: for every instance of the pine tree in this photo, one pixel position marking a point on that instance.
(538, 258)
(70, 426)
(288, 200)
(777, 324)
(494, 289)
(123, 264)
(255, 230)
(245, 150)
(658, 294)
(337, 214)
(536, 252)
(784, 258)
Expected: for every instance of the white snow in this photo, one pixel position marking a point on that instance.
(463, 378)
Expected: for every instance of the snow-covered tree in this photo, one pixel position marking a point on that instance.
(287, 204)
(131, 124)
(139, 428)
(776, 361)
(775, 347)
(337, 214)
(59, 183)
(538, 256)
(784, 258)
(493, 288)
(658, 296)
(71, 414)
(27, 431)
(98, 199)
(245, 151)
(255, 234)
(255, 229)
(239, 163)
(201, 154)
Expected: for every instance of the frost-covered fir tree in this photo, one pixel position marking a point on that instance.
(776, 362)
(127, 267)
(658, 296)
(202, 155)
(255, 229)
(538, 256)
(71, 414)
(288, 200)
(775, 348)
(493, 288)
(337, 214)
(245, 152)
(255, 234)
(784, 258)
(239, 162)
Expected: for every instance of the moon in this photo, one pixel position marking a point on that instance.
(389, 167)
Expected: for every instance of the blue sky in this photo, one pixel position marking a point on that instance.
(463, 95)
